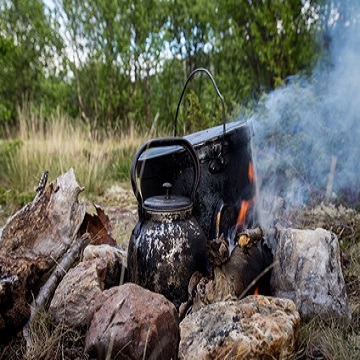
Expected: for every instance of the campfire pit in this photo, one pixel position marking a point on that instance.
(295, 273)
(240, 254)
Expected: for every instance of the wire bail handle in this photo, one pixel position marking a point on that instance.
(219, 95)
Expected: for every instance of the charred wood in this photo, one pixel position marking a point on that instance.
(99, 228)
(217, 251)
(244, 265)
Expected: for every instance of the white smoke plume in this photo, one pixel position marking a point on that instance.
(307, 133)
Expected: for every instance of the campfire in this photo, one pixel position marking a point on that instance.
(242, 257)
(201, 278)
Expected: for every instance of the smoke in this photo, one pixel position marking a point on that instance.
(307, 133)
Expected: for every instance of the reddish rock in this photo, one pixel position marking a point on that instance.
(114, 258)
(131, 322)
(76, 293)
(83, 284)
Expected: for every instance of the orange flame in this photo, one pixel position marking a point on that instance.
(251, 173)
(245, 204)
(256, 291)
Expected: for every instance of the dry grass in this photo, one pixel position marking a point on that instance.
(49, 342)
(328, 340)
(57, 144)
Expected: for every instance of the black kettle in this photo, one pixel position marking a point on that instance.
(167, 244)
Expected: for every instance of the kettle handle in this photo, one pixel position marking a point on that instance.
(163, 143)
(207, 72)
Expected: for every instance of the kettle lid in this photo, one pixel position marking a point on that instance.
(167, 202)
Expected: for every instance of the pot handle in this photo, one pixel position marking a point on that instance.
(163, 143)
(218, 93)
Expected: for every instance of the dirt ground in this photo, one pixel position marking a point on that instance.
(119, 204)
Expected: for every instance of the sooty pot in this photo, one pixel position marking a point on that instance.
(167, 244)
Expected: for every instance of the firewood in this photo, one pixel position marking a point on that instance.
(217, 251)
(235, 274)
(245, 264)
(99, 227)
(250, 237)
(47, 291)
(32, 242)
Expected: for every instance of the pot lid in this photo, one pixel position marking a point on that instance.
(167, 202)
(240, 130)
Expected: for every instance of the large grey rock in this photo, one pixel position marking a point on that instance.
(84, 283)
(308, 271)
(130, 322)
(256, 327)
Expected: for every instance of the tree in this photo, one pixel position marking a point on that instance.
(116, 47)
(30, 50)
(262, 43)
(119, 63)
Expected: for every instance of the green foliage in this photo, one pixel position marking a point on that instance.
(117, 64)
(8, 149)
(261, 44)
(120, 43)
(29, 49)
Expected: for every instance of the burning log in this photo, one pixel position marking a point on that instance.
(250, 237)
(245, 264)
(234, 274)
(242, 261)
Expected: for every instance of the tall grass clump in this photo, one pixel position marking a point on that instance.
(328, 340)
(56, 144)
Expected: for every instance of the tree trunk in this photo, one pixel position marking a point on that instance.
(32, 242)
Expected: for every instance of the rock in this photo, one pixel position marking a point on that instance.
(77, 292)
(115, 259)
(83, 284)
(256, 327)
(131, 322)
(308, 271)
